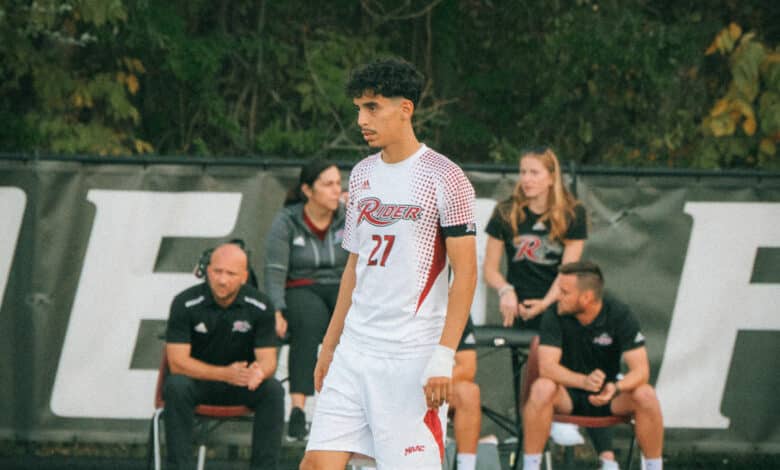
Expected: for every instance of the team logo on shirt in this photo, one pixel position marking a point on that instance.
(242, 326)
(414, 449)
(201, 328)
(379, 214)
(639, 337)
(540, 250)
(603, 339)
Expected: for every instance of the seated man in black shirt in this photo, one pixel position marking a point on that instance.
(221, 349)
(579, 361)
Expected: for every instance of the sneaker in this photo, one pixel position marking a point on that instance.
(296, 428)
(565, 434)
(609, 465)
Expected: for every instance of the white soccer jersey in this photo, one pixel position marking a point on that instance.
(397, 218)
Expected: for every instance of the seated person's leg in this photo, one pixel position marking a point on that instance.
(181, 394)
(545, 397)
(643, 404)
(324, 460)
(308, 317)
(602, 442)
(268, 404)
(466, 403)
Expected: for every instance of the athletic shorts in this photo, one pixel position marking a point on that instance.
(375, 406)
(583, 407)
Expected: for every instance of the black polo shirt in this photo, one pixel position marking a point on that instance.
(221, 336)
(598, 345)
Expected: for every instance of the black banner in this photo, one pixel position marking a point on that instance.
(91, 255)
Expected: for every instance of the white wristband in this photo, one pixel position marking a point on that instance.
(505, 289)
(440, 364)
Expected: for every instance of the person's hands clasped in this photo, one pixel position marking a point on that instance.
(321, 369)
(594, 381)
(508, 306)
(530, 308)
(607, 393)
(238, 374)
(281, 324)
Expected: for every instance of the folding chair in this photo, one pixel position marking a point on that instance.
(209, 418)
(532, 373)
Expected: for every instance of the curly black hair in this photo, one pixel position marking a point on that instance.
(387, 77)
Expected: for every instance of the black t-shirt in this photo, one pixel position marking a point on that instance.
(221, 336)
(533, 258)
(598, 345)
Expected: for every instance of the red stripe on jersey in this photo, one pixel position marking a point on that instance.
(437, 266)
(434, 425)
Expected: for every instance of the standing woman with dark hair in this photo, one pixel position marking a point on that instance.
(304, 261)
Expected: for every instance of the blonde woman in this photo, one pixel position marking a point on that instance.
(538, 228)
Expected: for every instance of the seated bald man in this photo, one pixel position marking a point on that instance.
(221, 347)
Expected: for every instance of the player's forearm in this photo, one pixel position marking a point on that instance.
(459, 301)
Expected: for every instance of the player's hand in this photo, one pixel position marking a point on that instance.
(237, 374)
(256, 376)
(508, 307)
(321, 369)
(605, 396)
(437, 391)
(530, 308)
(594, 381)
(281, 324)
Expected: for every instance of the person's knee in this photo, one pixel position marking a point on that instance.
(177, 387)
(645, 398)
(542, 391)
(466, 395)
(309, 463)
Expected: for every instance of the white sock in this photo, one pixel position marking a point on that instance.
(609, 465)
(467, 461)
(654, 464)
(532, 461)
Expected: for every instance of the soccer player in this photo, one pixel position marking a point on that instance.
(385, 368)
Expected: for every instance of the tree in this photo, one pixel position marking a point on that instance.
(69, 93)
(743, 126)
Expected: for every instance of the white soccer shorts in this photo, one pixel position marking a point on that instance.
(375, 406)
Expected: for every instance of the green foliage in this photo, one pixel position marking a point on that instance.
(731, 135)
(61, 98)
(621, 83)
